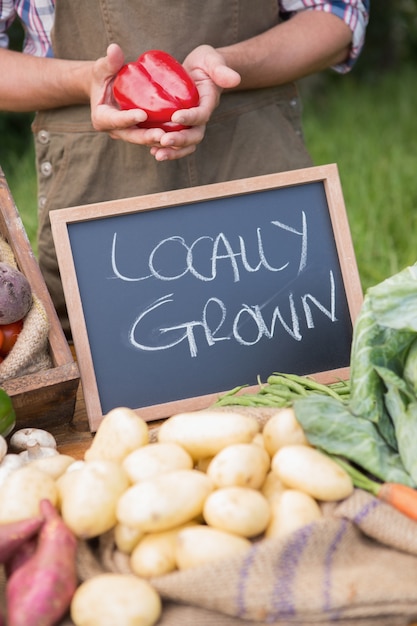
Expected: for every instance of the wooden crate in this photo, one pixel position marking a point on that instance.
(48, 397)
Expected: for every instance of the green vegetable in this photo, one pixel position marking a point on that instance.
(383, 339)
(7, 414)
(329, 425)
(410, 367)
(401, 404)
(281, 390)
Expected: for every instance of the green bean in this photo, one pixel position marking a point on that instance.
(313, 385)
(279, 401)
(291, 383)
(284, 389)
(234, 391)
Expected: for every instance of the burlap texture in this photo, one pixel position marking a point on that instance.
(31, 352)
(356, 566)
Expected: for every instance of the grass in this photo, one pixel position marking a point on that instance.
(20, 174)
(367, 128)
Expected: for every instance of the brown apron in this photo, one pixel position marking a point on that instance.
(250, 133)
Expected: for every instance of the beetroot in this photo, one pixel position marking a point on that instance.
(15, 294)
(39, 592)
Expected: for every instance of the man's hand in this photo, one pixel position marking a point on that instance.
(210, 74)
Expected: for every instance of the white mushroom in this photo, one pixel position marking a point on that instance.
(26, 438)
(35, 451)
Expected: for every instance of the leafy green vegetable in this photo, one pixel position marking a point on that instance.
(330, 426)
(410, 367)
(383, 333)
(402, 406)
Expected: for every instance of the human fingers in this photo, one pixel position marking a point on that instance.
(105, 114)
(171, 154)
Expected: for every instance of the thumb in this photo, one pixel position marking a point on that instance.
(115, 58)
(225, 77)
(220, 73)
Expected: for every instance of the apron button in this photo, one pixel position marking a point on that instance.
(46, 168)
(43, 137)
(293, 102)
(42, 202)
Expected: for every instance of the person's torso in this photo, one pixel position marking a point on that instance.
(176, 26)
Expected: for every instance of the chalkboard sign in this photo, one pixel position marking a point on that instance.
(177, 297)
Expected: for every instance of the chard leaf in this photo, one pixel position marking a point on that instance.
(402, 407)
(330, 425)
(394, 300)
(383, 333)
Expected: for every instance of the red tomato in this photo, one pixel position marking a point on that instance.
(10, 334)
(1, 339)
(158, 84)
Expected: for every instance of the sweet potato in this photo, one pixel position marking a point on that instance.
(22, 554)
(14, 534)
(15, 294)
(40, 591)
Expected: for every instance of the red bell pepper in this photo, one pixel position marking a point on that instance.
(158, 84)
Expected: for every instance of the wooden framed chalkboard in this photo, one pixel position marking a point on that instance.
(175, 298)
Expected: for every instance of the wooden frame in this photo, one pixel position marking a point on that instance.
(62, 219)
(45, 398)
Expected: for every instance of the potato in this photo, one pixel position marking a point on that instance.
(118, 434)
(238, 510)
(259, 440)
(156, 458)
(272, 487)
(155, 553)
(89, 495)
(126, 538)
(199, 545)
(290, 511)
(202, 464)
(283, 429)
(53, 465)
(205, 433)
(165, 501)
(109, 599)
(22, 491)
(240, 464)
(307, 469)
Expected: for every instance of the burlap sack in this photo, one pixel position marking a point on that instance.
(357, 566)
(31, 352)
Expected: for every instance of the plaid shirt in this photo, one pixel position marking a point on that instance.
(37, 17)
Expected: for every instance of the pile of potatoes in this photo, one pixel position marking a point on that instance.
(209, 485)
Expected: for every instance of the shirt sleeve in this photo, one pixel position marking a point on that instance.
(7, 16)
(355, 13)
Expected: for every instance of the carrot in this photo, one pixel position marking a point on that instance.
(399, 496)
(39, 592)
(14, 534)
(402, 497)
